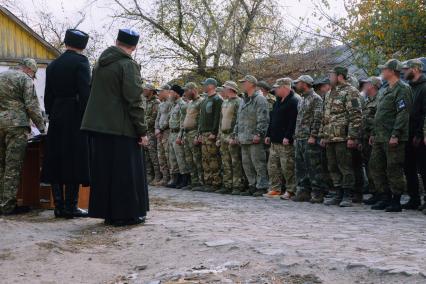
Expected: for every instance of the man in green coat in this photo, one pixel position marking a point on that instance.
(114, 118)
(388, 138)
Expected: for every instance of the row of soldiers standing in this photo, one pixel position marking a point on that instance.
(299, 147)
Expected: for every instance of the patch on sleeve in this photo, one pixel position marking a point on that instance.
(401, 105)
(355, 103)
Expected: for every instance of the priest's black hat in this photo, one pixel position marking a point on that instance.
(76, 38)
(178, 89)
(128, 36)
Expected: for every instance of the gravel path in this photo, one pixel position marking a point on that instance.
(193, 237)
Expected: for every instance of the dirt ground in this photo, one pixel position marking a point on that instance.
(194, 237)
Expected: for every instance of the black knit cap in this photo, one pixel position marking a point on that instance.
(178, 89)
(76, 38)
(128, 36)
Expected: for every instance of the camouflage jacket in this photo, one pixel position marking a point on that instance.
(18, 101)
(192, 114)
(368, 111)
(309, 116)
(177, 114)
(163, 114)
(252, 118)
(342, 116)
(392, 114)
(271, 100)
(228, 116)
(151, 112)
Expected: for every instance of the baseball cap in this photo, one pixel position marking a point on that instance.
(413, 63)
(264, 85)
(249, 78)
(340, 70)
(306, 79)
(30, 63)
(231, 85)
(190, 86)
(392, 64)
(149, 86)
(210, 81)
(283, 82)
(376, 81)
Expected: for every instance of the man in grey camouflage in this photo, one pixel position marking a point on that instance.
(189, 132)
(18, 104)
(151, 110)
(340, 130)
(179, 167)
(249, 132)
(233, 176)
(309, 179)
(162, 132)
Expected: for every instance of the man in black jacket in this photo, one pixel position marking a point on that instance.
(281, 137)
(67, 91)
(415, 157)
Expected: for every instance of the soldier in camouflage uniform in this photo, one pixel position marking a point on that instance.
(18, 104)
(189, 131)
(250, 131)
(265, 88)
(389, 136)
(162, 133)
(309, 179)
(208, 128)
(151, 110)
(179, 168)
(233, 176)
(340, 131)
(370, 88)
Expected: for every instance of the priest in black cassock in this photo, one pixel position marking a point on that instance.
(114, 119)
(66, 160)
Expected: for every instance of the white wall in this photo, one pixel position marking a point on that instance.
(39, 83)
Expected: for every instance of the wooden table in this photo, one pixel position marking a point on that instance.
(31, 193)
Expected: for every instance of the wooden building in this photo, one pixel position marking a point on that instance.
(18, 41)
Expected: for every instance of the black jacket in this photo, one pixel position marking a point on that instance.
(66, 94)
(417, 113)
(283, 119)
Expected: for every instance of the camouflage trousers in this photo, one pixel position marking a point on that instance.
(324, 169)
(233, 176)
(193, 157)
(177, 156)
(366, 155)
(151, 157)
(163, 154)
(357, 164)
(340, 167)
(309, 176)
(387, 167)
(254, 165)
(211, 161)
(281, 167)
(13, 144)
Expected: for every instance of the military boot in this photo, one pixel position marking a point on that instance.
(395, 204)
(301, 196)
(412, 204)
(357, 197)
(173, 181)
(224, 190)
(259, 192)
(347, 198)
(372, 200)
(236, 191)
(71, 209)
(184, 181)
(58, 199)
(248, 191)
(383, 203)
(317, 198)
(338, 196)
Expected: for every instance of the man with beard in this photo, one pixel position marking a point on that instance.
(114, 118)
(415, 157)
(67, 91)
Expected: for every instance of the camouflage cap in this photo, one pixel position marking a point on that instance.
(231, 85)
(29, 63)
(413, 63)
(264, 85)
(375, 81)
(340, 70)
(283, 82)
(392, 64)
(320, 82)
(249, 78)
(210, 81)
(306, 79)
(149, 86)
(190, 86)
(165, 87)
(219, 89)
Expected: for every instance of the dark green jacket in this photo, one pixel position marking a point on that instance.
(115, 105)
(210, 114)
(392, 114)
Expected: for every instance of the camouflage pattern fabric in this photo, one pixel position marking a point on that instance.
(309, 116)
(13, 143)
(151, 155)
(233, 176)
(281, 167)
(211, 161)
(193, 157)
(163, 154)
(177, 156)
(254, 165)
(340, 167)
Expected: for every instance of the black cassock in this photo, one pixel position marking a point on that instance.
(119, 189)
(67, 90)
